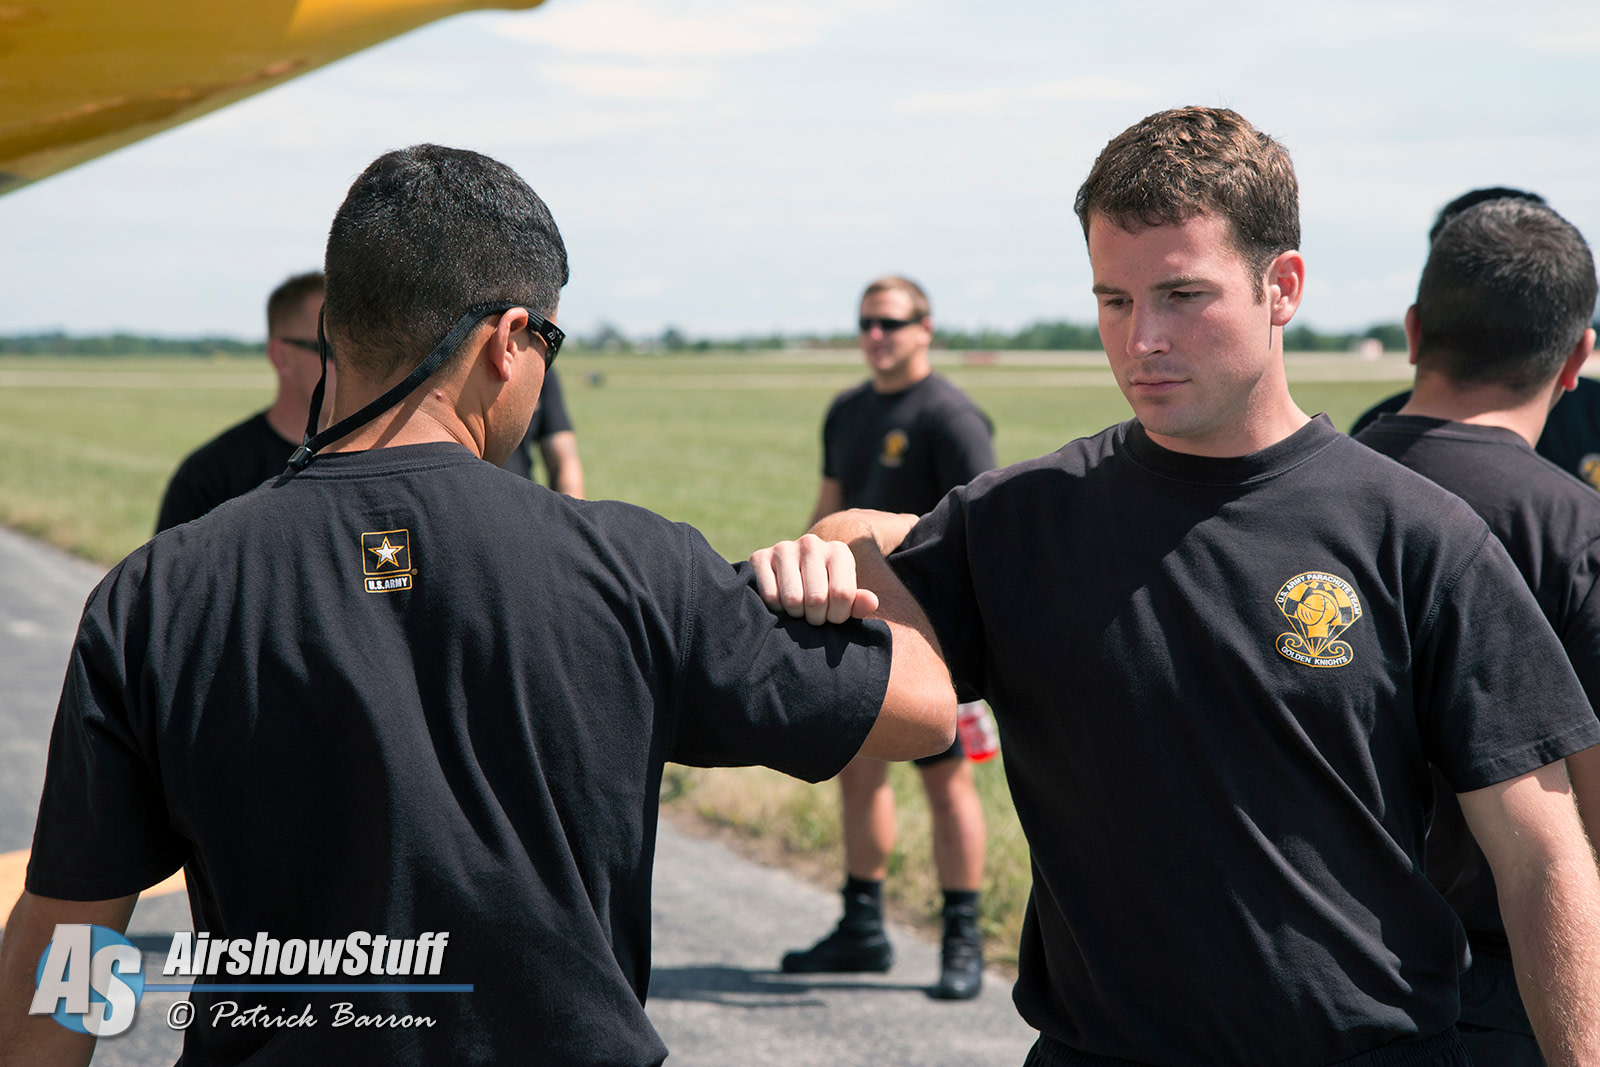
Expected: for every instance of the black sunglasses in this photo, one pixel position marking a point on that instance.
(553, 336)
(888, 325)
(549, 331)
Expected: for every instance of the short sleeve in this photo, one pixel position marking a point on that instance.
(830, 447)
(102, 830)
(550, 417)
(1496, 696)
(935, 565)
(183, 501)
(761, 688)
(966, 447)
(1580, 629)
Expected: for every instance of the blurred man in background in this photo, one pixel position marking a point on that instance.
(1498, 333)
(242, 457)
(898, 442)
(1571, 436)
(551, 433)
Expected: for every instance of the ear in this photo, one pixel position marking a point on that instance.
(278, 355)
(500, 353)
(1575, 361)
(1413, 325)
(1286, 286)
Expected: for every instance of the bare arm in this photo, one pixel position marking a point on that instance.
(560, 454)
(1549, 890)
(28, 1040)
(1584, 770)
(830, 498)
(838, 571)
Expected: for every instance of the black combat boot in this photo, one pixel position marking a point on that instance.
(858, 944)
(961, 961)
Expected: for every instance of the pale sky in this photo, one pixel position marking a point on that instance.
(742, 166)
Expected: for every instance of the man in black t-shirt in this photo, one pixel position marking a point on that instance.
(1224, 643)
(243, 456)
(898, 442)
(1498, 333)
(1571, 435)
(404, 703)
(550, 431)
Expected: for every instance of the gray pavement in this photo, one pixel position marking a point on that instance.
(41, 596)
(721, 922)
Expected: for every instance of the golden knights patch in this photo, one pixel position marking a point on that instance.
(895, 444)
(1319, 607)
(1589, 469)
(386, 560)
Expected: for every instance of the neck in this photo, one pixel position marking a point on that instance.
(429, 414)
(1481, 405)
(287, 416)
(902, 377)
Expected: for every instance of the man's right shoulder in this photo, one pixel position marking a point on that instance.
(852, 395)
(1077, 460)
(228, 440)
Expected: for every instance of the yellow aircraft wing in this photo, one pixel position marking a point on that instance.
(80, 78)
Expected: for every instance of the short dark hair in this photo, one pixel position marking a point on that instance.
(1508, 290)
(1174, 165)
(1474, 197)
(424, 233)
(899, 283)
(287, 298)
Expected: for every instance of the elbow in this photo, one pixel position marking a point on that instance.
(943, 725)
(921, 723)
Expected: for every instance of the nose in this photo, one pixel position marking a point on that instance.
(1146, 335)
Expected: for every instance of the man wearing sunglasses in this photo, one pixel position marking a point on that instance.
(898, 442)
(243, 456)
(401, 693)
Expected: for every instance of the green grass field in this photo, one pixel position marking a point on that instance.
(727, 443)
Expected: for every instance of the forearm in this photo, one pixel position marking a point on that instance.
(919, 708)
(38, 1039)
(1549, 891)
(1553, 924)
(885, 529)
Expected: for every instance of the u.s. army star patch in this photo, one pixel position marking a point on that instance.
(386, 560)
(1319, 607)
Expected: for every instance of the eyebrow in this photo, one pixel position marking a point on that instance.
(1182, 281)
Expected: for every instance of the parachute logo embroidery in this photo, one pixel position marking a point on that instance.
(895, 444)
(1319, 607)
(1589, 469)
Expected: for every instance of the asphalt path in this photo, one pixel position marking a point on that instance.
(721, 922)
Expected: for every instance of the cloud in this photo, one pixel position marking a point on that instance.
(1576, 33)
(995, 101)
(688, 31)
(651, 285)
(633, 81)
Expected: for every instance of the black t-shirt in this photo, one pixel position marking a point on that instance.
(229, 465)
(903, 451)
(1550, 525)
(405, 692)
(1571, 438)
(1219, 684)
(550, 417)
